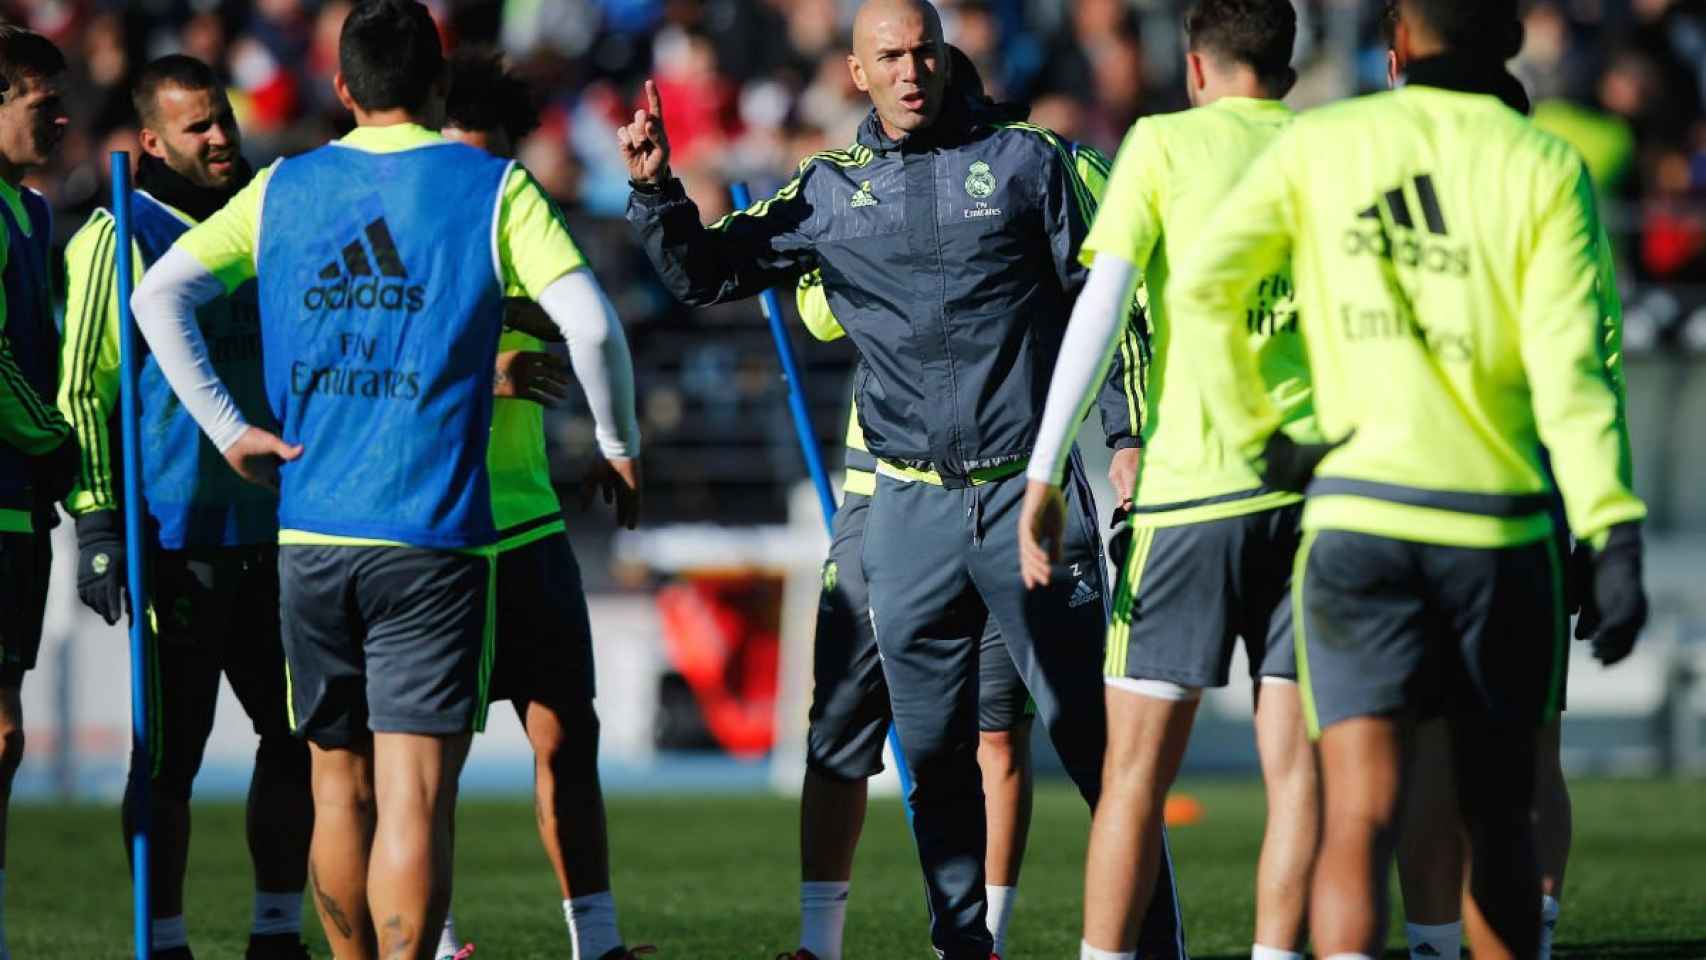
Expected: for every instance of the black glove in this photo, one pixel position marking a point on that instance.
(1615, 608)
(100, 564)
(1119, 537)
(1288, 465)
(54, 473)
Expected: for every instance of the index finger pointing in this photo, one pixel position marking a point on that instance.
(653, 100)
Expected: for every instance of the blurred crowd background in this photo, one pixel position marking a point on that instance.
(751, 86)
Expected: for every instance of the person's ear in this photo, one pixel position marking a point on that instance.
(150, 142)
(1196, 72)
(1401, 41)
(342, 90)
(857, 70)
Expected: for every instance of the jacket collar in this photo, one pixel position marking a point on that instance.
(174, 189)
(959, 117)
(1465, 74)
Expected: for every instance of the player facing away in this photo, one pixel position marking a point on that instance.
(544, 636)
(850, 709)
(948, 243)
(382, 262)
(1213, 543)
(38, 449)
(213, 539)
(1430, 851)
(1446, 254)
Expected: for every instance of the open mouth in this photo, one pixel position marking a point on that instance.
(913, 101)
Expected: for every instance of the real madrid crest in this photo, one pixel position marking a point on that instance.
(980, 182)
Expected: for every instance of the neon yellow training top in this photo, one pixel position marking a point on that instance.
(29, 422)
(1172, 172)
(524, 503)
(1447, 256)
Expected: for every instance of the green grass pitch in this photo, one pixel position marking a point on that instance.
(715, 878)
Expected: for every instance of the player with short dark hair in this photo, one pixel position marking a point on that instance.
(490, 100)
(1212, 544)
(1446, 255)
(1430, 848)
(390, 58)
(544, 634)
(38, 448)
(26, 60)
(175, 71)
(382, 262)
(212, 553)
(1253, 35)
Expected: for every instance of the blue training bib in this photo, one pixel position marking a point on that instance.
(381, 301)
(193, 496)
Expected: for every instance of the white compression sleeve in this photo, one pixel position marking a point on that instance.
(1091, 338)
(165, 304)
(598, 351)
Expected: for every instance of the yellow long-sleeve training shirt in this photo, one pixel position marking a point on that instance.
(1172, 172)
(1446, 255)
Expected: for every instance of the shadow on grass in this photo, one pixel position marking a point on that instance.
(1621, 950)
(1632, 950)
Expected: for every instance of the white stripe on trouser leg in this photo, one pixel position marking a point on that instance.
(1280, 681)
(1156, 689)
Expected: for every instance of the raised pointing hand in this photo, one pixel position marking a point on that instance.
(644, 145)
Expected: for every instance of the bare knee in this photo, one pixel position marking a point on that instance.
(998, 752)
(11, 754)
(1146, 743)
(1135, 775)
(1291, 772)
(343, 780)
(564, 741)
(1282, 737)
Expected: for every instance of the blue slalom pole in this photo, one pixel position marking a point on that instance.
(142, 761)
(796, 386)
(814, 456)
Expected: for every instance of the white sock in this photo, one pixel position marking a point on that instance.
(1433, 941)
(1259, 952)
(1087, 952)
(167, 932)
(1001, 900)
(823, 915)
(1549, 907)
(592, 924)
(448, 943)
(277, 913)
